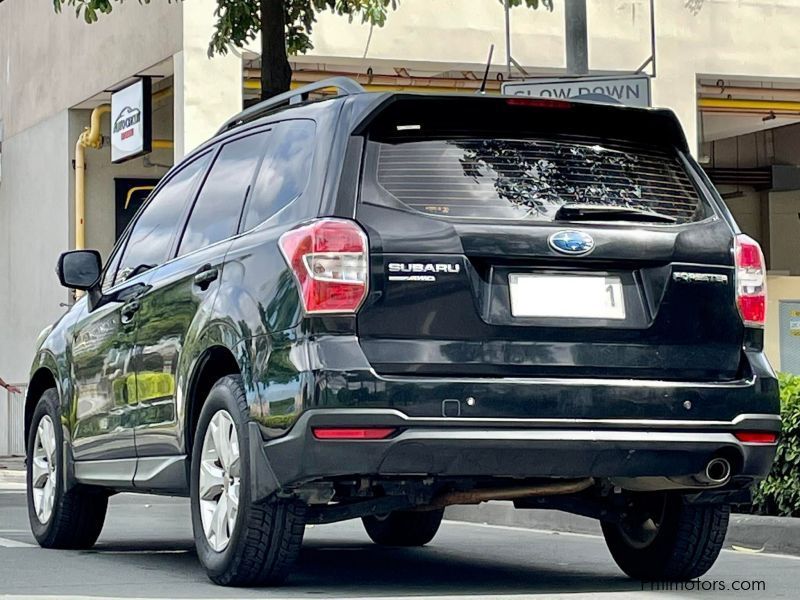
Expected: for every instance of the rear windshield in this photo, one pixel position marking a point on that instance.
(532, 178)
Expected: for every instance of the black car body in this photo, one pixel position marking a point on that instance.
(427, 300)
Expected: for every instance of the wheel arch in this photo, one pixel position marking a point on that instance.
(42, 380)
(213, 363)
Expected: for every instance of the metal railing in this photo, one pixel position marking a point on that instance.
(12, 422)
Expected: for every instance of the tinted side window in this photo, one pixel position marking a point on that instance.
(285, 171)
(149, 241)
(216, 212)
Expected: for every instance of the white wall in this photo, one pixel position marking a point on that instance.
(207, 91)
(49, 62)
(784, 225)
(34, 217)
(725, 38)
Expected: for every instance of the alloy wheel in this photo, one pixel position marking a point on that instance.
(220, 477)
(44, 468)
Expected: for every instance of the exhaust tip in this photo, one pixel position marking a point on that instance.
(718, 470)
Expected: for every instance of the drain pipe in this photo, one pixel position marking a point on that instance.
(90, 138)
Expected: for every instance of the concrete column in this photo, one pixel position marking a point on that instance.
(576, 37)
(35, 228)
(676, 87)
(208, 91)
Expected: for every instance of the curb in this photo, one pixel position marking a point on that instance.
(777, 535)
(12, 476)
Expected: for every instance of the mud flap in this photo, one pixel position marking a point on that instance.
(68, 466)
(263, 482)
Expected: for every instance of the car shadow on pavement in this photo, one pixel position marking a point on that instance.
(356, 568)
(433, 570)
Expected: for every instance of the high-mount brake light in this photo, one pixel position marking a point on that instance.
(751, 281)
(329, 259)
(539, 103)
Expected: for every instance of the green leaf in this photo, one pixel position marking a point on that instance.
(779, 493)
(239, 21)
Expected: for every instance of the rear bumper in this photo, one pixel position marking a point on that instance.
(514, 448)
(503, 427)
(333, 372)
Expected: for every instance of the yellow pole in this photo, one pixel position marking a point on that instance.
(90, 138)
(80, 195)
(163, 144)
(737, 104)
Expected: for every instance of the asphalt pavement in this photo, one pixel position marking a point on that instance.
(146, 551)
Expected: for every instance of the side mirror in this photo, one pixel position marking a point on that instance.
(79, 269)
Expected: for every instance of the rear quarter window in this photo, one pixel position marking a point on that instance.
(284, 172)
(531, 179)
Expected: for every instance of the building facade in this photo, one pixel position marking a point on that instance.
(730, 69)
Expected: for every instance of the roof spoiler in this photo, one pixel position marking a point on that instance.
(406, 115)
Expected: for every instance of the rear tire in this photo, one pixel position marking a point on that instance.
(679, 544)
(257, 544)
(59, 519)
(404, 528)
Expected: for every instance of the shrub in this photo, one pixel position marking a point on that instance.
(779, 493)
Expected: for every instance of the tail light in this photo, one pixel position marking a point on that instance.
(751, 281)
(329, 258)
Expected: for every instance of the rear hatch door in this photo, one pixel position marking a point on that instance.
(546, 241)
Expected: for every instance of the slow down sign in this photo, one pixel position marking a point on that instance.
(631, 90)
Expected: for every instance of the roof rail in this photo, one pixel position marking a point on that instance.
(345, 85)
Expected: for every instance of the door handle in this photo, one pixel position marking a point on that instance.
(129, 310)
(205, 275)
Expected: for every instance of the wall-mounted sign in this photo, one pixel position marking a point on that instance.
(631, 90)
(131, 124)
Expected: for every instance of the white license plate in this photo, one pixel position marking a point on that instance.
(570, 296)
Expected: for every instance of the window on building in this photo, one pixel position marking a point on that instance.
(151, 237)
(284, 172)
(216, 212)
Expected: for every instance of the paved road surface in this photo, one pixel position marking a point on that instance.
(146, 551)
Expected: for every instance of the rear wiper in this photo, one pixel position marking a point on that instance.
(600, 212)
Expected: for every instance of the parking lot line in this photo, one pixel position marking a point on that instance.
(597, 537)
(11, 486)
(6, 543)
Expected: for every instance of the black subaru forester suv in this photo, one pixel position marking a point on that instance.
(376, 305)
